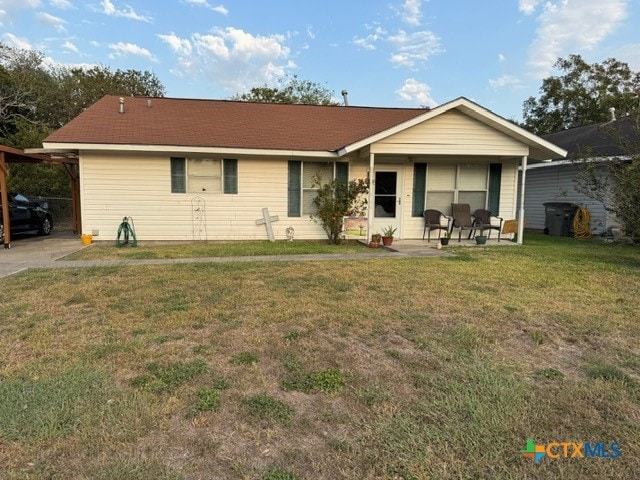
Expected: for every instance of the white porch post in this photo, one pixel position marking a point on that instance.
(523, 168)
(371, 201)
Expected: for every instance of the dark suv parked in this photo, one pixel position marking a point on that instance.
(26, 215)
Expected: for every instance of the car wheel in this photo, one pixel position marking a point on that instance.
(45, 226)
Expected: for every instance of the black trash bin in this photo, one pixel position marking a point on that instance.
(559, 218)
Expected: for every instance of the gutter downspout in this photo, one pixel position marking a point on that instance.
(371, 201)
(523, 168)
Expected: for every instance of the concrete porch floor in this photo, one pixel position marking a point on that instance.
(414, 246)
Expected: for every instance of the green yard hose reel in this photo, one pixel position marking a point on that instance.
(128, 232)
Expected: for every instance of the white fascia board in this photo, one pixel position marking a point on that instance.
(49, 146)
(578, 162)
(548, 149)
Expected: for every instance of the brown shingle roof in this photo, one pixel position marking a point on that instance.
(227, 124)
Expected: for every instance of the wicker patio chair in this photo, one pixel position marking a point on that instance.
(485, 217)
(461, 213)
(433, 221)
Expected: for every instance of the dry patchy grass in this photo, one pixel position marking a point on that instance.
(407, 369)
(153, 250)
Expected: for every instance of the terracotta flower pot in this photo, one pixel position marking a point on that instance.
(387, 241)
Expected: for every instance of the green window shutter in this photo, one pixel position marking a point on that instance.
(342, 172)
(295, 171)
(230, 172)
(419, 188)
(495, 178)
(178, 175)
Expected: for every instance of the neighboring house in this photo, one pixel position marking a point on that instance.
(204, 169)
(556, 181)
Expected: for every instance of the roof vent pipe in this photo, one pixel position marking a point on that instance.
(612, 112)
(346, 99)
(149, 103)
(121, 110)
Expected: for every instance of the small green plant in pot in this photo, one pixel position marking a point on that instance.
(446, 236)
(387, 235)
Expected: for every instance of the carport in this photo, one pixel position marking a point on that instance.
(14, 155)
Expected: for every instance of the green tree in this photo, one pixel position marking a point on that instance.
(582, 94)
(336, 200)
(616, 182)
(289, 90)
(36, 99)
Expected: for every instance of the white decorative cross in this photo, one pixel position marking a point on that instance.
(266, 221)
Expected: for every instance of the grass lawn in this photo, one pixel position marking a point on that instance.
(107, 251)
(370, 369)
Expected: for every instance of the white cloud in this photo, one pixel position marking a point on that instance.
(17, 42)
(417, 93)
(110, 9)
(369, 42)
(410, 49)
(310, 33)
(122, 49)
(56, 23)
(70, 46)
(505, 81)
(61, 4)
(204, 3)
(501, 57)
(415, 48)
(181, 46)
(568, 26)
(230, 57)
(528, 6)
(412, 12)
(9, 6)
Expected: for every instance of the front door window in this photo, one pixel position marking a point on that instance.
(386, 194)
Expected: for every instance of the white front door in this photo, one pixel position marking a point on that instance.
(387, 204)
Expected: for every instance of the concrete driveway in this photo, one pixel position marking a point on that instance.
(32, 251)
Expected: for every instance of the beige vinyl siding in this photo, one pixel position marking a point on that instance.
(451, 133)
(138, 185)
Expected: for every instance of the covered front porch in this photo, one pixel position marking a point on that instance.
(457, 153)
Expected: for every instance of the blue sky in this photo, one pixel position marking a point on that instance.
(396, 53)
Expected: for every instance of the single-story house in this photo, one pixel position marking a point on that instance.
(556, 181)
(188, 169)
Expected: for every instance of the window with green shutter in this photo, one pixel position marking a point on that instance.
(419, 188)
(495, 178)
(295, 172)
(197, 175)
(302, 189)
(178, 175)
(230, 172)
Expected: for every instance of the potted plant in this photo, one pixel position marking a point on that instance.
(387, 235)
(444, 240)
(375, 240)
(481, 239)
